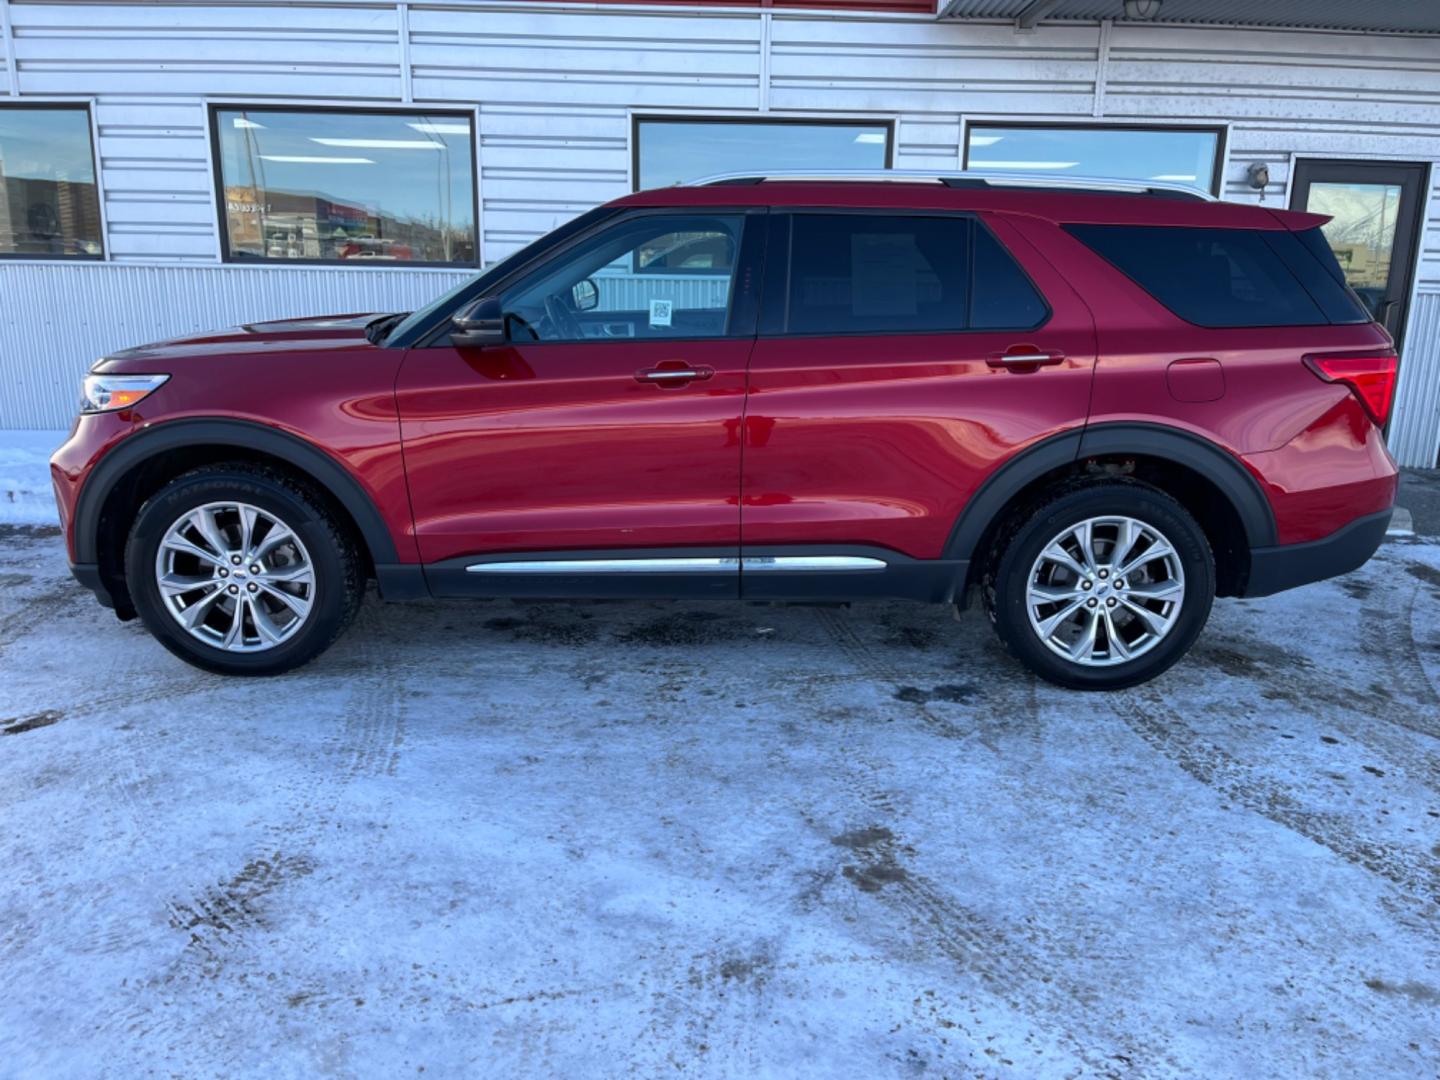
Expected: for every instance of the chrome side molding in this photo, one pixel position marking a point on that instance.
(681, 565)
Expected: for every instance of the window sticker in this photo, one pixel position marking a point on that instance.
(661, 311)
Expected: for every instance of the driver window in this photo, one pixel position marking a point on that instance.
(653, 276)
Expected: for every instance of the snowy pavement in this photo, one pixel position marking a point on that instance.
(501, 839)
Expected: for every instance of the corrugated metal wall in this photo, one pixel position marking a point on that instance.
(555, 87)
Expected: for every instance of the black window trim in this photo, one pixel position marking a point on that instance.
(88, 105)
(889, 123)
(774, 309)
(214, 108)
(752, 251)
(1220, 131)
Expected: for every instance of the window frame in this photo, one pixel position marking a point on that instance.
(559, 243)
(1220, 131)
(1145, 290)
(775, 293)
(71, 104)
(740, 306)
(217, 179)
(889, 123)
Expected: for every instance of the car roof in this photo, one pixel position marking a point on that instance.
(1057, 205)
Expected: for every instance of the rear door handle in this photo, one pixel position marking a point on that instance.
(674, 374)
(1028, 360)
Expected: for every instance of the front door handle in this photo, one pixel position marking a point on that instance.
(1024, 358)
(679, 373)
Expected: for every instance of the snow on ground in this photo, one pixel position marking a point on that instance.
(26, 497)
(649, 839)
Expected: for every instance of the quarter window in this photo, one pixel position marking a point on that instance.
(49, 201)
(651, 276)
(1225, 277)
(360, 188)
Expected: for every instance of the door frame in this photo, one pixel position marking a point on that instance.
(1414, 185)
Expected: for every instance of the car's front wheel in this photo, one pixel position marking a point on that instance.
(241, 570)
(1102, 586)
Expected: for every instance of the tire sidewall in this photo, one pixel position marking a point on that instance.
(1130, 499)
(307, 521)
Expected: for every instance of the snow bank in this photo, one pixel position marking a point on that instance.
(26, 497)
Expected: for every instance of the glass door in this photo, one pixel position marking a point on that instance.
(1374, 228)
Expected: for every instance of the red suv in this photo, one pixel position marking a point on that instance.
(1092, 407)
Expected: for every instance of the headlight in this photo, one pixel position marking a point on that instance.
(105, 393)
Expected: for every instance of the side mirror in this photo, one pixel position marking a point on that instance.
(480, 323)
(585, 294)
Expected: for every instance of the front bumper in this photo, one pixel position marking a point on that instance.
(1286, 566)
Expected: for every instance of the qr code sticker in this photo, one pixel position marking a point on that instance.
(660, 312)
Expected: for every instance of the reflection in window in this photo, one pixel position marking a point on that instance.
(49, 202)
(1361, 232)
(672, 151)
(353, 187)
(1173, 155)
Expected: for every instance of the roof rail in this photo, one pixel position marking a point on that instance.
(971, 178)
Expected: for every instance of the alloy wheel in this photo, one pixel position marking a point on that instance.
(1105, 591)
(235, 577)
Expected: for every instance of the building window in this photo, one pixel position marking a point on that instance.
(49, 201)
(668, 151)
(358, 188)
(1186, 155)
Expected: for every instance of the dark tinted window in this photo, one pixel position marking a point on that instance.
(863, 273)
(1001, 296)
(1314, 242)
(1320, 275)
(1210, 277)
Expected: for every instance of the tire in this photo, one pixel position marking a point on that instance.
(309, 586)
(1142, 625)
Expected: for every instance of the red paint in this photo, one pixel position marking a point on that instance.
(840, 440)
(547, 446)
(882, 440)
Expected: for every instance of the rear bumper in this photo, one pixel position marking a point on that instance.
(1285, 566)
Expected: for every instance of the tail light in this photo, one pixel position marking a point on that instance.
(1370, 378)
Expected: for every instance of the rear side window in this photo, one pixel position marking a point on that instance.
(899, 273)
(1001, 296)
(1223, 277)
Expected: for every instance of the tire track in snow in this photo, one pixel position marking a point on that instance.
(1144, 710)
(1017, 968)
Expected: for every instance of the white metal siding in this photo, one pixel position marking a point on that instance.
(555, 87)
(56, 320)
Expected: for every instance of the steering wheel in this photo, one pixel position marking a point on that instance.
(523, 323)
(562, 319)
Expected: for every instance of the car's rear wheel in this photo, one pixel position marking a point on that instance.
(242, 570)
(1102, 586)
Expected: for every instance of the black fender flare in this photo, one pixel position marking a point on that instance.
(169, 435)
(1200, 455)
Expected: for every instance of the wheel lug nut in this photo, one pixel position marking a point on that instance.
(1086, 584)
(1110, 602)
(1104, 573)
(224, 572)
(252, 586)
(234, 589)
(235, 559)
(1090, 602)
(255, 569)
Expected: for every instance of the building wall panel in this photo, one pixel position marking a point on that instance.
(554, 89)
